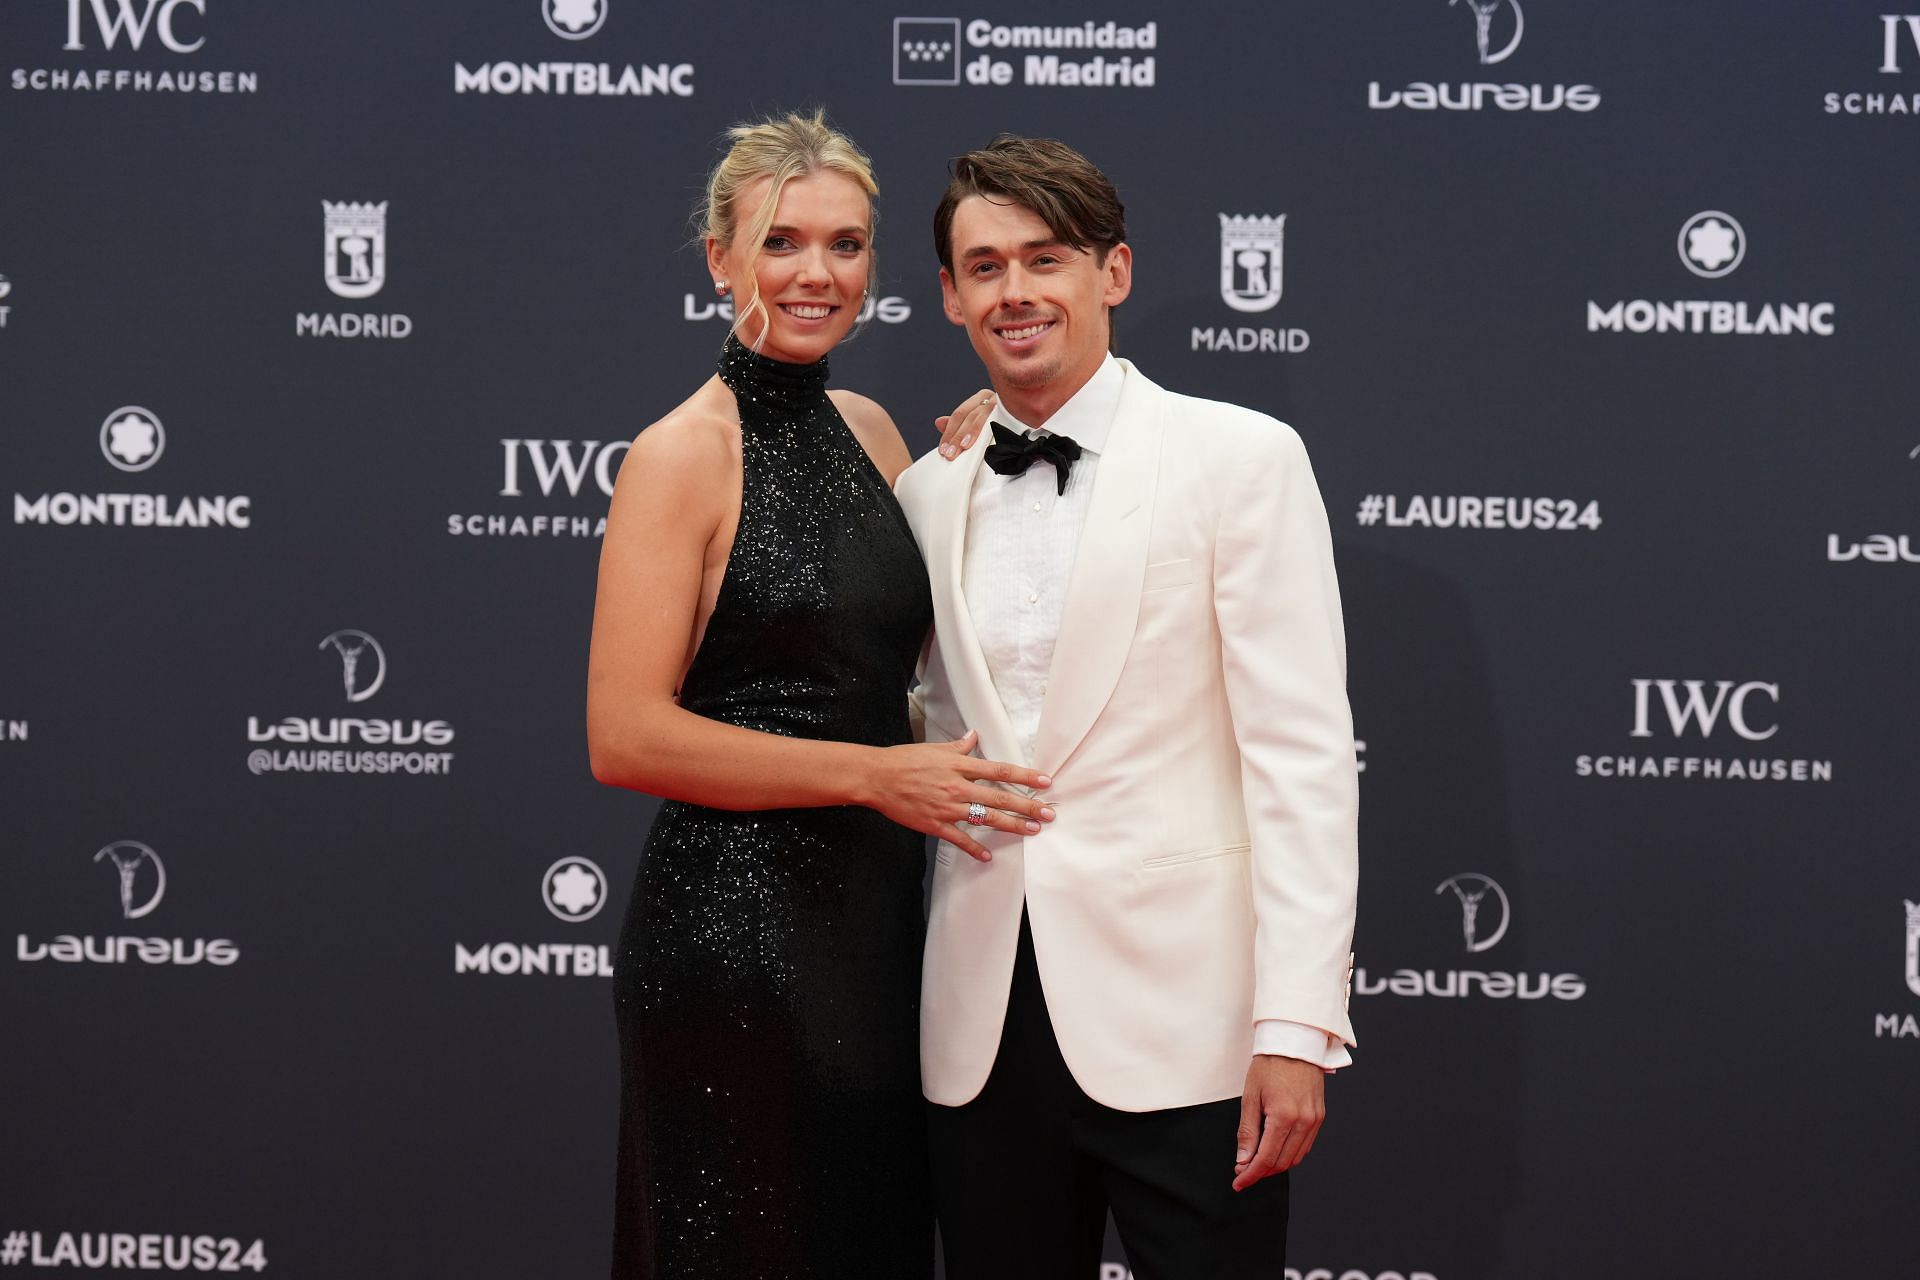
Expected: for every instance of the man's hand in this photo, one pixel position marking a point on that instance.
(1280, 1115)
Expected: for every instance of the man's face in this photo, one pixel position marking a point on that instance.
(1035, 309)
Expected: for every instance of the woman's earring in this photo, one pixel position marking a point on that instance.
(720, 287)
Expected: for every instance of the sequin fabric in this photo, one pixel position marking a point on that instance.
(767, 980)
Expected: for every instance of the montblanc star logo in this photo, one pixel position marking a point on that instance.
(1712, 244)
(574, 889)
(132, 438)
(574, 19)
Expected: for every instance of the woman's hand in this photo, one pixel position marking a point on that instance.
(928, 786)
(968, 419)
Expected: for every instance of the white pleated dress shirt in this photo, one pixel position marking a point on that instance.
(1022, 534)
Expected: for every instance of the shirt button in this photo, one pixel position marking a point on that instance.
(1034, 598)
(1036, 506)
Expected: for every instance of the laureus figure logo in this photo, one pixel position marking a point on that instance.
(1483, 15)
(353, 647)
(127, 855)
(1471, 897)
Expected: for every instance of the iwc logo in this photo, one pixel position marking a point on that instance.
(102, 29)
(574, 19)
(1899, 41)
(1750, 709)
(570, 467)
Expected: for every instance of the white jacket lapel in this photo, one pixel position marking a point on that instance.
(1103, 594)
(968, 678)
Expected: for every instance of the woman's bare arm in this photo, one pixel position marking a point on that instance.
(676, 488)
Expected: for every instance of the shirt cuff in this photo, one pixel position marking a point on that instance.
(1298, 1040)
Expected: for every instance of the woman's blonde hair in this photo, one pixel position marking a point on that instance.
(783, 148)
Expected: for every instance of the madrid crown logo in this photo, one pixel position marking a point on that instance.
(356, 248)
(1250, 261)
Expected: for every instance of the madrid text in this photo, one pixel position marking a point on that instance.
(1052, 70)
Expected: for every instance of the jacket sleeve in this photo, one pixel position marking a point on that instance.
(1283, 655)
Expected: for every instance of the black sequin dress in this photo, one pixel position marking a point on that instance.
(767, 983)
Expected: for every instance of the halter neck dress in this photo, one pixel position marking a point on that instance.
(767, 980)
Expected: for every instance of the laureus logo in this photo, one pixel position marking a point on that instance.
(1485, 914)
(128, 856)
(142, 883)
(1472, 889)
(1484, 34)
(363, 663)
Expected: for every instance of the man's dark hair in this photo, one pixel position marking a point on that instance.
(1064, 188)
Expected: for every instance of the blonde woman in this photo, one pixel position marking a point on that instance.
(761, 606)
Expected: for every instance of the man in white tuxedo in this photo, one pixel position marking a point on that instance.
(1134, 592)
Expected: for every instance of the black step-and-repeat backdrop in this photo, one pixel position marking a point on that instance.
(323, 327)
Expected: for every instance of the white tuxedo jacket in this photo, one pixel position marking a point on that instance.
(1201, 874)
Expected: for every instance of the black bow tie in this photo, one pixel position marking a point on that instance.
(1011, 454)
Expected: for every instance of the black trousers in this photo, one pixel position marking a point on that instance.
(1024, 1175)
